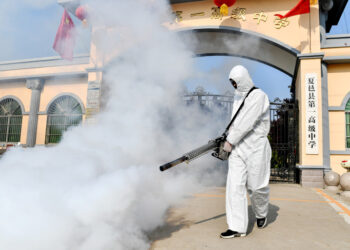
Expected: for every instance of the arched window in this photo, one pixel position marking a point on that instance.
(63, 113)
(347, 121)
(10, 121)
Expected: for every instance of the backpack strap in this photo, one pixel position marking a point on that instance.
(239, 109)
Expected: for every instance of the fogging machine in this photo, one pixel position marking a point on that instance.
(217, 145)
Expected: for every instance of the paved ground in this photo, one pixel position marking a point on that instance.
(299, 218)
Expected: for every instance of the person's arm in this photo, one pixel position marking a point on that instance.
(253, 110)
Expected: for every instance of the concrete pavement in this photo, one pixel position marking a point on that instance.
(299, 218)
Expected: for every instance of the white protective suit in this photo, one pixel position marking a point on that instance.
(249, 162)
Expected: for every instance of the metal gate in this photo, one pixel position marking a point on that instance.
(283, 134)
(283, 138)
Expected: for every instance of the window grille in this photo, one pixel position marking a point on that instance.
(63, 113)
(347, 122)
(10, 121)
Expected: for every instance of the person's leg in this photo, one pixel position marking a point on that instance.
(260, 202)
(258, 181)
(236, 195)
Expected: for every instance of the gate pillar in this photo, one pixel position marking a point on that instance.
(97, 57)
(311, 123)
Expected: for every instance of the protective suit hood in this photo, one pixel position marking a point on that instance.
(241, 76)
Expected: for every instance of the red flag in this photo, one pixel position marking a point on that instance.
(301, 8)
(65, 37)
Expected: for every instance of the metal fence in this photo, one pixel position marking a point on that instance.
(283, 138)
(58, 124)
(210, 101)
(10, 128)
(63, 113)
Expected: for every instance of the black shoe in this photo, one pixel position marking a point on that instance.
(261, 223)
(231, 234)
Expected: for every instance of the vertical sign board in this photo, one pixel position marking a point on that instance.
(311, 113)
(93, 98)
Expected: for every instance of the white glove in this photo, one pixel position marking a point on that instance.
(227, 147)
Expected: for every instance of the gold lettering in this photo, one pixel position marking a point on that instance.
(178, 16)
(198, 14)
(216, 13)
(260, 17)
(279, 23)
(239, 13)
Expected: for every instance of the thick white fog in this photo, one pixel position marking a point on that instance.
(101, 187)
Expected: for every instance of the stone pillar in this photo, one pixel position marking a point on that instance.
(98, 57)
(93, 98)
(325, 119)
(93, 102)
(312, 99)
(36, 86)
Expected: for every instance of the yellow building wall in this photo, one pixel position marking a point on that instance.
(300, 32)
(338, 83)
(17, 89)
(41, 129)
(335, 163)
(24, 130)
(336, 51)
(337, 130)
(338, 88)
(53, 87)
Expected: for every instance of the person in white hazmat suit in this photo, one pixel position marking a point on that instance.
(249, 161)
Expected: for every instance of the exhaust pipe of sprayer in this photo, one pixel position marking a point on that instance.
(173, 163)
(193, 154)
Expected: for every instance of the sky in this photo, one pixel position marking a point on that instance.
(343, 26)
(213, 71)
(30, 28)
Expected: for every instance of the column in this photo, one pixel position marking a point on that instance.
(325, 119)
(95, 72)
(93, 102)
(36, 86)
(311, 95)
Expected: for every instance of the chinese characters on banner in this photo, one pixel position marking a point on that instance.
(236, 14)
(311, 113)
